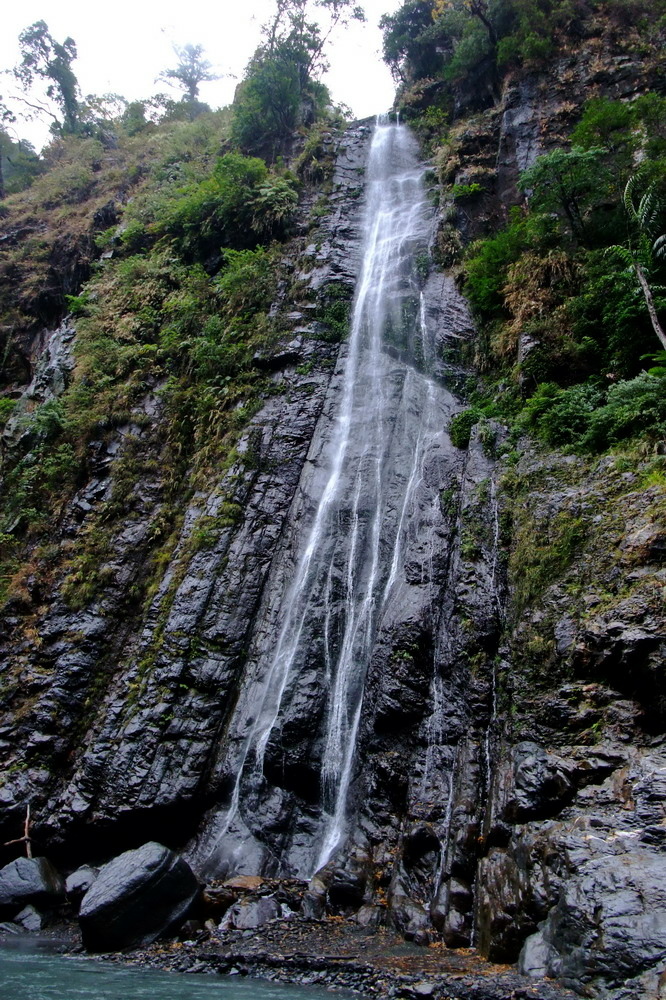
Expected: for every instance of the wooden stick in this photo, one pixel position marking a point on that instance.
(26, 838)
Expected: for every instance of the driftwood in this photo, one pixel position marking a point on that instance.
(26, 838)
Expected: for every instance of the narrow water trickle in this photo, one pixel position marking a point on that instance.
(347, 551)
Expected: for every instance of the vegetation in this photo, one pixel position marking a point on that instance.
(570, 294)
(578, 275)
(281, 90)
(191, 71)
(44, 59)
(188, 227)
(455, 41)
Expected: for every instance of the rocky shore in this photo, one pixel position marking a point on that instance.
(338, 954)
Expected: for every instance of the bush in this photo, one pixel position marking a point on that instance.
(587, 418)
(460, 428)
(488, 261)
(215, 212)
(562, 416)
(634, 407)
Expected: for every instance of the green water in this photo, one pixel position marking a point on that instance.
(29, 974)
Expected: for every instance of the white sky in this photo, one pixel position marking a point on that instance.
(124, 45)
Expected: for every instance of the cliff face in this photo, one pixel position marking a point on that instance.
(508, 787)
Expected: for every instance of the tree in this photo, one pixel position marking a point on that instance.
(6, 118)
(192, 70)
(50, 61)
(477, 8)
(643, 247)
(307, 25)
(411, 47)
(280, 90)
(570, 182)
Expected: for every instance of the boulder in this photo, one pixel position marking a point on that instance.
(30, 919)
(78, 883)
(137, 897)
(250, 913)
(410, 918)
(370, 916)
(609, 925)
(29, 881)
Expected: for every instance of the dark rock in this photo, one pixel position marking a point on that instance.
(608, 926)
(7, 927)
(137, 897)
(540, 785)
(29, 881)
(409, 917)
(347, 887)
(370, 916)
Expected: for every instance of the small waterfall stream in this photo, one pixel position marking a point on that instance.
(371, 492)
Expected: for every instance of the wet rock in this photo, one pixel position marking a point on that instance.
(539, 786)
(346, 887)
(78, 883)
(137, 897)
(370, 916)
(608, 926)
(503, 911)
(29, 881)
(7, 927)
(250, 913)
(30, 919)
(409, 917)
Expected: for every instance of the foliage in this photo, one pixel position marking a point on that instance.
(191, 71)
(148, 317)
(488, 261)
(238, 205)
(469, 42)
(460, 428)
(44, 58)
(280, 91)
(570, 293)
(571, 183)
(587, 418)
(410, 46)
(19, 164)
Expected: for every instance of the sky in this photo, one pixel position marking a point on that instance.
(124, 45)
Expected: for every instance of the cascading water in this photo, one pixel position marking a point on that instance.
(369, 493)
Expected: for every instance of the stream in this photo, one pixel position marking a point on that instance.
(28, 972)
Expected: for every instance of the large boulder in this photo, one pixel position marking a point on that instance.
(608, 929)
(137, 897)
(29, 881)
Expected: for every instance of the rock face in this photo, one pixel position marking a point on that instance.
(29, 881)
(508, 787)
(137, 897)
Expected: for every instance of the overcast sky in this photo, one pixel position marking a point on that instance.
(124, 45)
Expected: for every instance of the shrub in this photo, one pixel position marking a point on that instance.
(636, 406)
(460, 428)
(488, 262)
(561, 416)
(237, 206)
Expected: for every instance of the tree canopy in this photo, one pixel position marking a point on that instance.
(281, 89)
(45, 59)
(192, 70)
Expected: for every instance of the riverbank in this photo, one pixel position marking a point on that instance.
(338, 954)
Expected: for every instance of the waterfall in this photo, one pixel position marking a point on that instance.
(370, 494)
